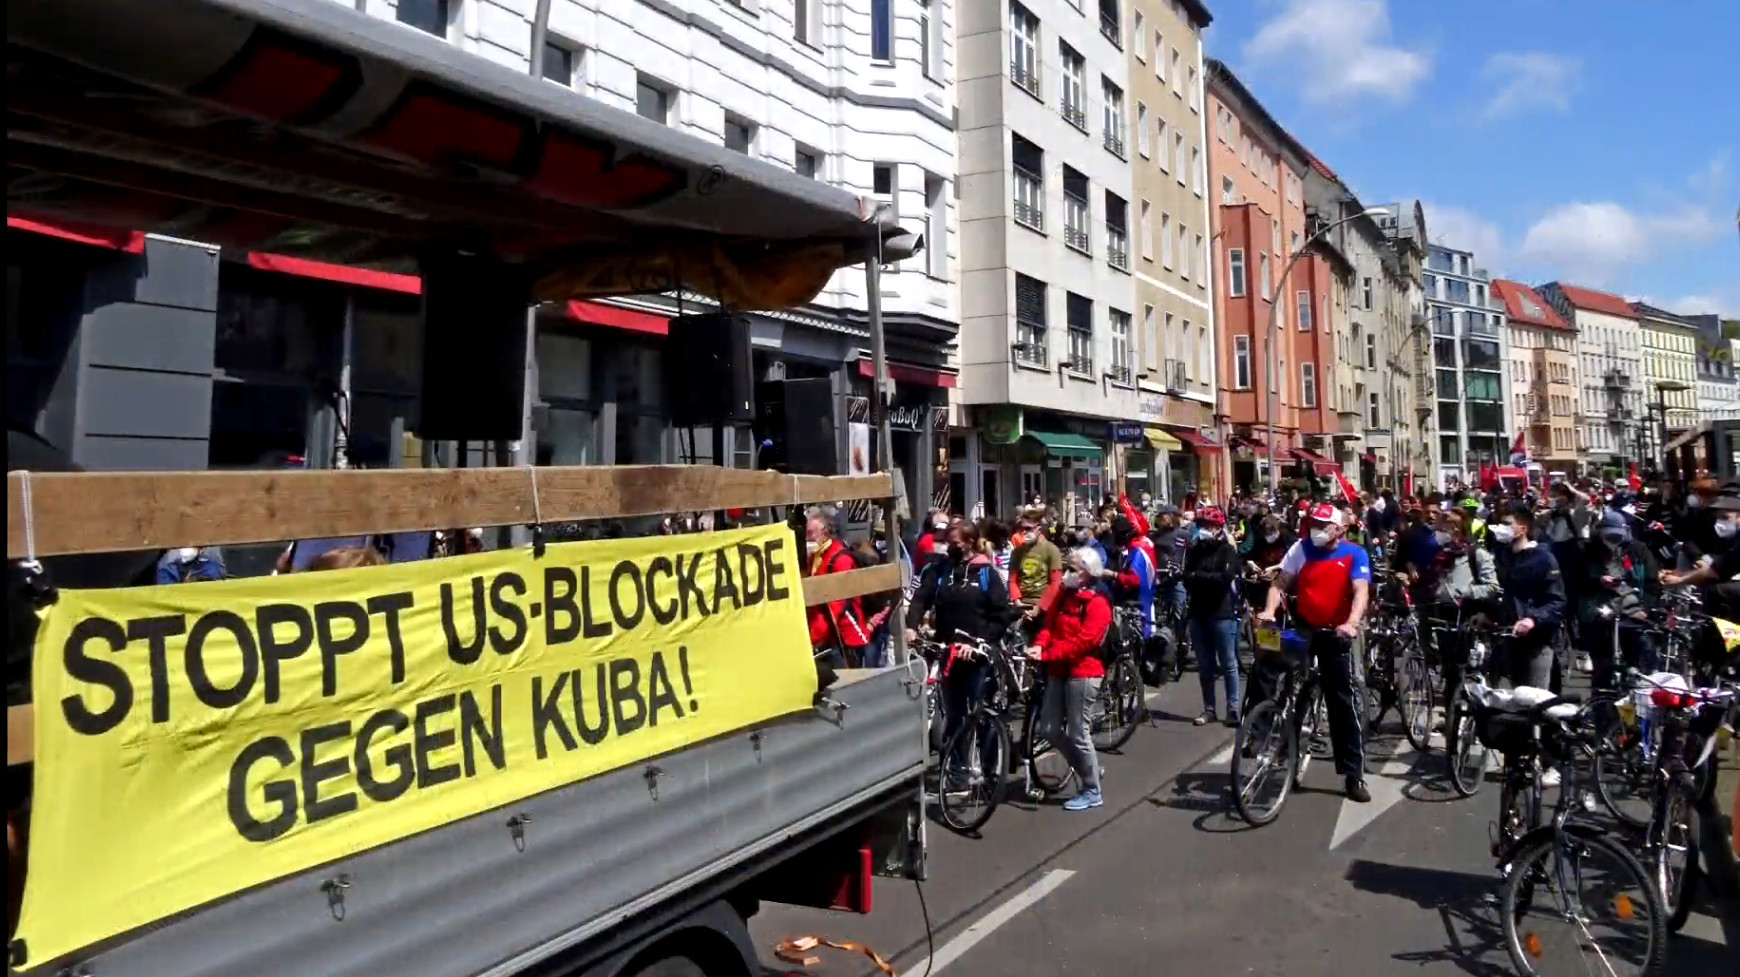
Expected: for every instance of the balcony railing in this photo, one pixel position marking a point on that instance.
(1024, 77)
(1030, 343)
(1117, 247)
(1122, 373)
(1075, 115)
(1109, 27)
(1115, 144)
(1081, 356)
(1029, 192)
(1617, 379)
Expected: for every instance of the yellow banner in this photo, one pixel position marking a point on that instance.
(197, 739)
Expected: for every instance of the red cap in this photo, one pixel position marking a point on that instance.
(1325, 513)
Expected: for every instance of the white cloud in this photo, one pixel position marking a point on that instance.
(1727, 305)
(1590, 242)
(1463, 229)
(1339, 50)
(1529, 80)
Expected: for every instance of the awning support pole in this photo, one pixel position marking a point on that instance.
(884, 438)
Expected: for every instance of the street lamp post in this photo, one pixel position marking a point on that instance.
(1662, 389)
(1274, 325)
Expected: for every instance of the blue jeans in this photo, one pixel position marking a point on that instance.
(1216, 641)
(875, 653)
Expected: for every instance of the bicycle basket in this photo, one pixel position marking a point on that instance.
(1509, 733)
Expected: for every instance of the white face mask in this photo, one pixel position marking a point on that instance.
(813, 545)
(1502, 532)
(1321, 538)
(1271, 537)
(1727, 528)
(187, 554)
(1072, 579)
(940, 548)
(1443, 537)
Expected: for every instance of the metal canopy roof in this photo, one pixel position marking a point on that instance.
(304, 127)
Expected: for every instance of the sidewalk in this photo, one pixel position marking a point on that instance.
(1720, 856)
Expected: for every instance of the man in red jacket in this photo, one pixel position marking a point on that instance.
(837, 631)
(1069, 645)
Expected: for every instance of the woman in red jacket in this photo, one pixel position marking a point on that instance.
(1069, 645)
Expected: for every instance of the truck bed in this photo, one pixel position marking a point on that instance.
(481, 897)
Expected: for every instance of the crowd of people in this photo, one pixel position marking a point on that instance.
(1552, 567)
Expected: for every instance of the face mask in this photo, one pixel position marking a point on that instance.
(1072, 579)
(1443, 538)
(187, 554)
(939, 548)
(1502, 532)
(1727, 528)
(813, 545)
(1271, 537)
(1321, 538)
(1210, 532)
(1695, 502)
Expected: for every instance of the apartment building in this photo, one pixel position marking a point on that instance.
(1371, 395)
(1718, 384)
(1256, 174)
(1049, 354)
(1609, 354)
(1175, 376)
(1545, 377)
(1470, 362)
(1410, 342)
(1670, 368)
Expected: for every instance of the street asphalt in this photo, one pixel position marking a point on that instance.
(1165, 879)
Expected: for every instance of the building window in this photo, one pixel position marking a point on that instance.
(930, 33)
(1371, 351)
(1178, 155)
(1229, 194)
(1142, 129)
(881, 30)
(1123, 364)
(739, 135)
(1029, 163)
(1193, 91)
(1365, 293)
(1030, 327)
(1150, 341)
(1263, 274)
(1159, 62)
(1197, 175)
(1241, 362)
(560, 64)
(652, 101)
(1113, 99)
(1074, 99)
(1079, 318)
(1183, 252)
(1177, 75)
(1147, 228)
(1308, 384)
(807, 22)
(936, 225)
(1235, 272)
(428, 16)
(1076, 221)
(1117, 231)
(1204, 351)
(808, 164)
(1199, 259)
(1165, 240)
(1304, 300)
(1371, 410)
(1138, 36)
(1023, 48)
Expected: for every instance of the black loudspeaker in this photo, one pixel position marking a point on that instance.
(794, 424)
(474, 349)
(709, 377)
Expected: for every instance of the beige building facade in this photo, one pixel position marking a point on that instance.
(1175, 329)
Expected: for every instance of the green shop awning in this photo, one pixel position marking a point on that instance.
(1066, 445)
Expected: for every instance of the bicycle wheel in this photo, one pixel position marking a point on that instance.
(1047, 770)
(1676, 859)
(1264, 761)
(1609, 922)
(1118, 708)
(1624, 777)
(1468, 758)
(971, 773)
(1416, 698)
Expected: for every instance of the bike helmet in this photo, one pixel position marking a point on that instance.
(1211, 515)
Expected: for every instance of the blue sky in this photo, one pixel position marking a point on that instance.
(1594, 141)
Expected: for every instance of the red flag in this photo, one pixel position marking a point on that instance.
(1408, 482)
(1134, 515)
(1347, 489)
(1636, 483)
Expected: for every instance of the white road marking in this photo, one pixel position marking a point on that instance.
(1386, 792)
(1220, 759)
(968, 938)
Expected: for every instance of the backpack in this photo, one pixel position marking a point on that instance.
(872, 604)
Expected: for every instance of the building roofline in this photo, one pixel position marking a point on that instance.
(1218, 72)
(1198, 11)
(1646, 311)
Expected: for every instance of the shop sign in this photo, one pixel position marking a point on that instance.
(1125, 432)
(999, 423)
(1180, 411)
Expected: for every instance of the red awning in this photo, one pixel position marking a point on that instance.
(609, 315)
(1195, 440)
(917, 375)
(93, 234)
(343, 274)
(1319, 464)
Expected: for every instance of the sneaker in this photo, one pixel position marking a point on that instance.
(1204, 719)
(1084, 800)
(1232, 719)
(1550, 778)
(1357, 792)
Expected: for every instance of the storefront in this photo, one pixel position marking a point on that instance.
(1023, 456)
(1133, 460)
(1187, 450)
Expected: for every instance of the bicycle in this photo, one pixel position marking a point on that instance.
(1121, 705)
(1535, 730)
(975, 757)
(1389, 640)
(1469, 757)
(1268, 736)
